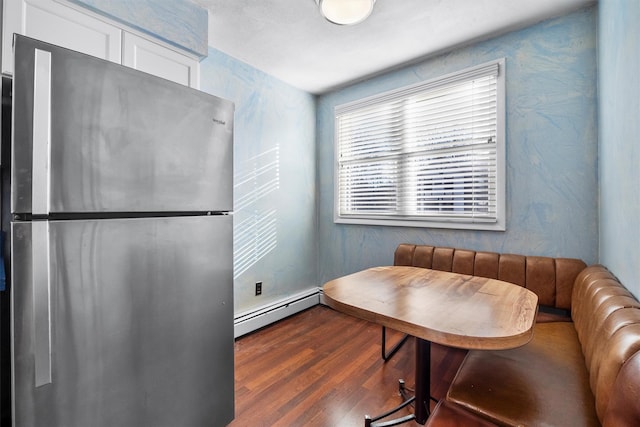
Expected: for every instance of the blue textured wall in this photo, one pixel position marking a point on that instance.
(552, 190)
(274, 180)
(177, 22)
(619, 123)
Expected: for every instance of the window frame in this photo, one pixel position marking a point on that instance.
(425, 222)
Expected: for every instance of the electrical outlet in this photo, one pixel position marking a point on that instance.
(258, 288)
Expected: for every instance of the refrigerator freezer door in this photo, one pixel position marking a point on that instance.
(94, 136)
(141, 322)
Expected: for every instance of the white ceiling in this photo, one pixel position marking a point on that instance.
(289, 40)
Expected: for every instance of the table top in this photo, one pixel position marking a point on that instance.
(447, 308)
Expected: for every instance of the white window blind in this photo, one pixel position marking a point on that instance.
(430, 154)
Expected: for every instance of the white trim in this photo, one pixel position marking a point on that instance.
(321, 296)
(498, 225)
(255, 319)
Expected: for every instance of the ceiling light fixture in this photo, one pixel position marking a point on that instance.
(345, 12)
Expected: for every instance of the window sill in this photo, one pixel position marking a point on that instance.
(448, 224)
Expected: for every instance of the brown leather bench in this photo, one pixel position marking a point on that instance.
(581, 368)
(579, 373)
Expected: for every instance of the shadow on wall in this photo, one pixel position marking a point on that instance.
(254, 231)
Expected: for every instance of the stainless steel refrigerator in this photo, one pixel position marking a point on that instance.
(121, 246)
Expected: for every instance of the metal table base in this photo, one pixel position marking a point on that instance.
(422, 396)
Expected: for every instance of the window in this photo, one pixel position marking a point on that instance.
(427, 155)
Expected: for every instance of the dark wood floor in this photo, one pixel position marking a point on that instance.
(323, 368)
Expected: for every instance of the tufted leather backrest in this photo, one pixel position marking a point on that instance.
(549, 278)
(624, 406)
(607, 319)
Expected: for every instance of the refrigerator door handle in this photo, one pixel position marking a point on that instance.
(41, 302)
(41, 133)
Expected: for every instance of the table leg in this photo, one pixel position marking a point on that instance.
(422, 396)
(423, 380)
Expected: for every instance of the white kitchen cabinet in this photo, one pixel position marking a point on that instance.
(70, 27)
(145, 55)
(55, 23)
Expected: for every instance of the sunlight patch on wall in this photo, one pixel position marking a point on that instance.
(255, 231)
(253, 239)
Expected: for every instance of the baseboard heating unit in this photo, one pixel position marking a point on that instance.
(252, 320)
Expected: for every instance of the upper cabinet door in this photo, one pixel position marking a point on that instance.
(145, 55)
(58, 24)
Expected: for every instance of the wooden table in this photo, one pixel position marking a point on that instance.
(435, 306)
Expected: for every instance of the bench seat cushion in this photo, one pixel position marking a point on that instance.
(544, 383)
(447, 414)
